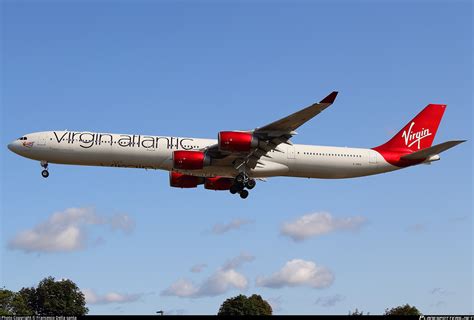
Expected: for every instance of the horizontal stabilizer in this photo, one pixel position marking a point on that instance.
(434, 150)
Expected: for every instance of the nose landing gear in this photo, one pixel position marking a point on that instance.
(241, 182)
(45, 172)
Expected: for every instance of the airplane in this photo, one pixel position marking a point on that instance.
(236, 159)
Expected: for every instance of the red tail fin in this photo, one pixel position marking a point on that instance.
(418, 134)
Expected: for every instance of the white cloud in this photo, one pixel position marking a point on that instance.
(329, 301)
(198, 267)
(221, 281)
(319, 223)
(66, 231)
(122, 222)
(234, 224)
(298, 272)
(111, 297)
(218, 283)
(181, 288)
(236, 262)
(439, 291)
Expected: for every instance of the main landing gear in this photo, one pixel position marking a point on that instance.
(45, 172)
(241, 182)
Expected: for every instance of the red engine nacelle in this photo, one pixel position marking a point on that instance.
(179, 180)
(218, 183)
(190, 160)
(236, 141)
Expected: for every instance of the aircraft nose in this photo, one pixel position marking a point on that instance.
(12, 146)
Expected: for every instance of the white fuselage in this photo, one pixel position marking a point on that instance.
(155, 152)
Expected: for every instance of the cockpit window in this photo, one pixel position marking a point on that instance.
(22, 138)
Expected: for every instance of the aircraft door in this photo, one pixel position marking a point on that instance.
(290, 152)
(372, 157)
(41, 140)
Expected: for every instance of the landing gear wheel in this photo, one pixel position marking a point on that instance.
(251, 184)
(45, 173)
(244, 194)
(240, 178)
(234, 189)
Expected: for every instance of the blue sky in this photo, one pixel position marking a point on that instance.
(195, 68)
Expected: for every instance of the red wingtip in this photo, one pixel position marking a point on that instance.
(330, 98)
(436, 105)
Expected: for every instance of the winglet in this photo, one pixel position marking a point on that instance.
(330, 98)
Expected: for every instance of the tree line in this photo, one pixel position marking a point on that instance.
(49, 298)
(63, 297)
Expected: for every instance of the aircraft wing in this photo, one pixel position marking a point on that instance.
(270, 136)
(431, 151)
(297, 119)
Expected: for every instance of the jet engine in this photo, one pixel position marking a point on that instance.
(179, 180)
(190, 160)
(236, 141)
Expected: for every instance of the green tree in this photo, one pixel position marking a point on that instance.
(29, 297)
(405, 310)
(52, 297)
(13, 303)
(6, 299)
(243, 305)
(357, 313)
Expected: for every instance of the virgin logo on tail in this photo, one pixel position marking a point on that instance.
(415, 137)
